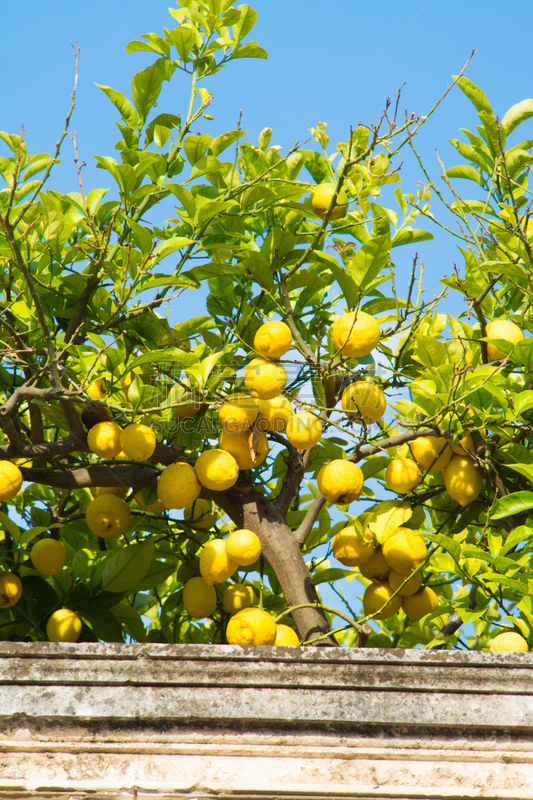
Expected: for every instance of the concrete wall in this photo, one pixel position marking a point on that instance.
(112, 722)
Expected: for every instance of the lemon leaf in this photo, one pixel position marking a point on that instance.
(386, 517)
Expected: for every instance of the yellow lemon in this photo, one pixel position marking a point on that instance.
(217, 469)
(273, 339)
(48, 556)
(104, 439)
(215, 564)
(364, 399)
(275, 414)
(375, 567)
(508, 642)
(238, 596)
(63, 626)
(265, 379)
(251, 626)
(378, 595)
(502, 329)
(108, 516)
(178, 485)
(466, 442)
(350, 549)
(138, 442)
(355, 334)
(27, 463)
(404, 551)
(321, 200)
(199, 598)
(431, 452)
(286, 637)
(243, 547)
(96, 390)
(186, 409)
(411, 587)
(119, 491)
(304, 430)
(402, 475)
(239, 446)
(238, 413)
(10, 589)
(156, 507)
(10, 480)
(462, 480)
(200, 515)
(340, 481)
(421, 603)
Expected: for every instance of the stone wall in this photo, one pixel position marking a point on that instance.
(117, 722)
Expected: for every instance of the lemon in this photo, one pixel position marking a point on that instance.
(92, 414)
(178, 485)
(350, 549)
(48, 556)
(421, 603)
(508, 642)
(364, 399)
(286, 637)
(97, 390)
(186, 409)
(238, 596)
(321, 200)
(501, 329)
(239, 446)
(378, 595)
(251, 626)
(265, 379)
(304, 430)
(375, 567)
(275, 414)
(273, 339)
(108, 516)
(466, 442)
(217, 469)
(138, 442)
(156, 507)
(10, 480)
(63, 626)
(104, 439)
(355, 334)
(199, 598)
(243, 547)
(200, 515)
(238, 413)
(340, 481)
(10, 589)
(404, 551)
(432, 453)
(402, 475)
(27, 463)
(215, 564)
(462, 480)
(411, 587)
(118, 491)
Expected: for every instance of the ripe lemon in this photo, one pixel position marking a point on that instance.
(238, 596)
(10, 480)
(355, 334)
(251, 626)
(404, 551)
(243, 547)
(63, 626)
(199, 598)
(187, 408)
(364, 399)
(275, 414)
(215, 564)
(376, 596)
(239, 446)
(178, 485)
(138, 442)
(217, 469)
(411, 587)
(104, 439)
(200, 515)
(431, 452)
(265, 379)
(350, 550)
(273, 339)
(118, 491)
(286, 637)
(375, 567)
(508, 642)
(462, 480)
(402, 475)
(321, 200)
(108, 516)
(10, 589)
(421, 603)
(340, 481)
(304, 430)
(466, 442)
(22, 462)
(48, 556)
(238, 413)
(97, 390)
(502, 329)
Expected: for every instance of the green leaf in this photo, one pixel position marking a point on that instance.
(430, 351)
(451, 546)
(408, 236)
(370, 259)
(516, 115)
(131, 619)
(126, 567)
(127, 112)
(245, 23)
(464, 171)
(330, 575)
(473, 154)
(250, 50)
(260, 269)
(517, 536)
(220, 143)
(512, 504)
(9, 526)
(523, 402)
(388, 516)
(146, 85)
(159, 571)
(474, 94)
(183, 38)
(169, 246)
(195, 146)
